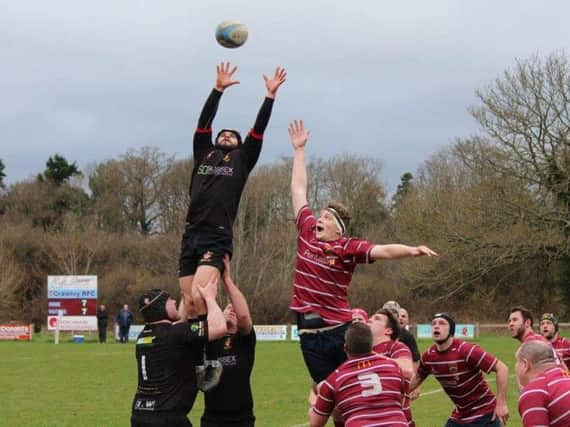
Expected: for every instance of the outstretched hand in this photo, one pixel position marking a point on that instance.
(298, 134)
(424, 251)
(273, 84)
(224, 76)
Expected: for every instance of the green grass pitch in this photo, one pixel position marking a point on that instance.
(91, 384)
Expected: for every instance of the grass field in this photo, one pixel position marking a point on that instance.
(90, 384)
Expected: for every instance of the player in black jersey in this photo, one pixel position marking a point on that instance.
(165, 351)
(218, 179)
(230, 403)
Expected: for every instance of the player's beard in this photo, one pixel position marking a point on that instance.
(520, 333)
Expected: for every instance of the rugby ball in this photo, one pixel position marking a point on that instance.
(231, 34)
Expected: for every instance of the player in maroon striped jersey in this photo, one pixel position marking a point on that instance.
(367, 389)
(326, 259)
(459, 367)
(359, 315)
(545, 397)
(520, 325)
(549, 330)
(385, 326)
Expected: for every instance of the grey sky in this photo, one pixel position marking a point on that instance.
(391, 80)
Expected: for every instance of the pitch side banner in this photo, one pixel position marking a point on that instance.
(16, 331)
(271, 332)
(462, 331)
(75, 297)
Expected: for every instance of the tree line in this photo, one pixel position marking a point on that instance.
(495, 205)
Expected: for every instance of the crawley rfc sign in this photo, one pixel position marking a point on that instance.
(75, 297)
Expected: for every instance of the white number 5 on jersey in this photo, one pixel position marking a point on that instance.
(371, 384)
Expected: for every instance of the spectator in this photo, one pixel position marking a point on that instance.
(124, 321)
(102, 317)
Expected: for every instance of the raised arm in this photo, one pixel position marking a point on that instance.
(396, 251)
(216, 321)
(224, 79)
(254, 139)
(239, 303)
(299, 137)
(501, 409)
(272, 85)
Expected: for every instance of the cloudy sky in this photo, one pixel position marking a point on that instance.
(390, 80)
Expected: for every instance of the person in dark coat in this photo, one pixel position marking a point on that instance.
(124, 320)
(102, 318)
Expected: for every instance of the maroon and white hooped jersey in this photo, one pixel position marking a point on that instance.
(533, 336)
(398, 350)
(323, 271)
(562, 347)
(459, 370)
(367, 391)
(545, 401)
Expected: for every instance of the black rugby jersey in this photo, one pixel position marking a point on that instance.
(219, 176)
(166, 355)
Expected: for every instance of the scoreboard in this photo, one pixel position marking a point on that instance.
(75, 298)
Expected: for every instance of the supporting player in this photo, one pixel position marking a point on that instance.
(165, 349)
(367, 389)
(218, 179)
(545, 397)
(459, 367)
(230, 403)
(384, 326)
(326, 259)
(549, 329)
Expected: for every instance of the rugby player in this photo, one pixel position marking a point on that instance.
(459, 368)
(165, 352)
(545, 397)
(384, 327)
(367, 389)
(326, 259)
(230, 403)
(218, 179)
(549, 329)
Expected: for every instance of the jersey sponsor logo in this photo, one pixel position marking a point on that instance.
(228, 360)
(215, 170)
(145, 405)
(328, 260)
(363, 364)
(145, 340)
(197, 327)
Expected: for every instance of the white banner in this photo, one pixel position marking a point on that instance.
(16, 331)
(71, 287)
(73, 323)
(271, 332)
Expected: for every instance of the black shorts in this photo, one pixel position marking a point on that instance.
(203, 246)
(159, 420)
(323, 352)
